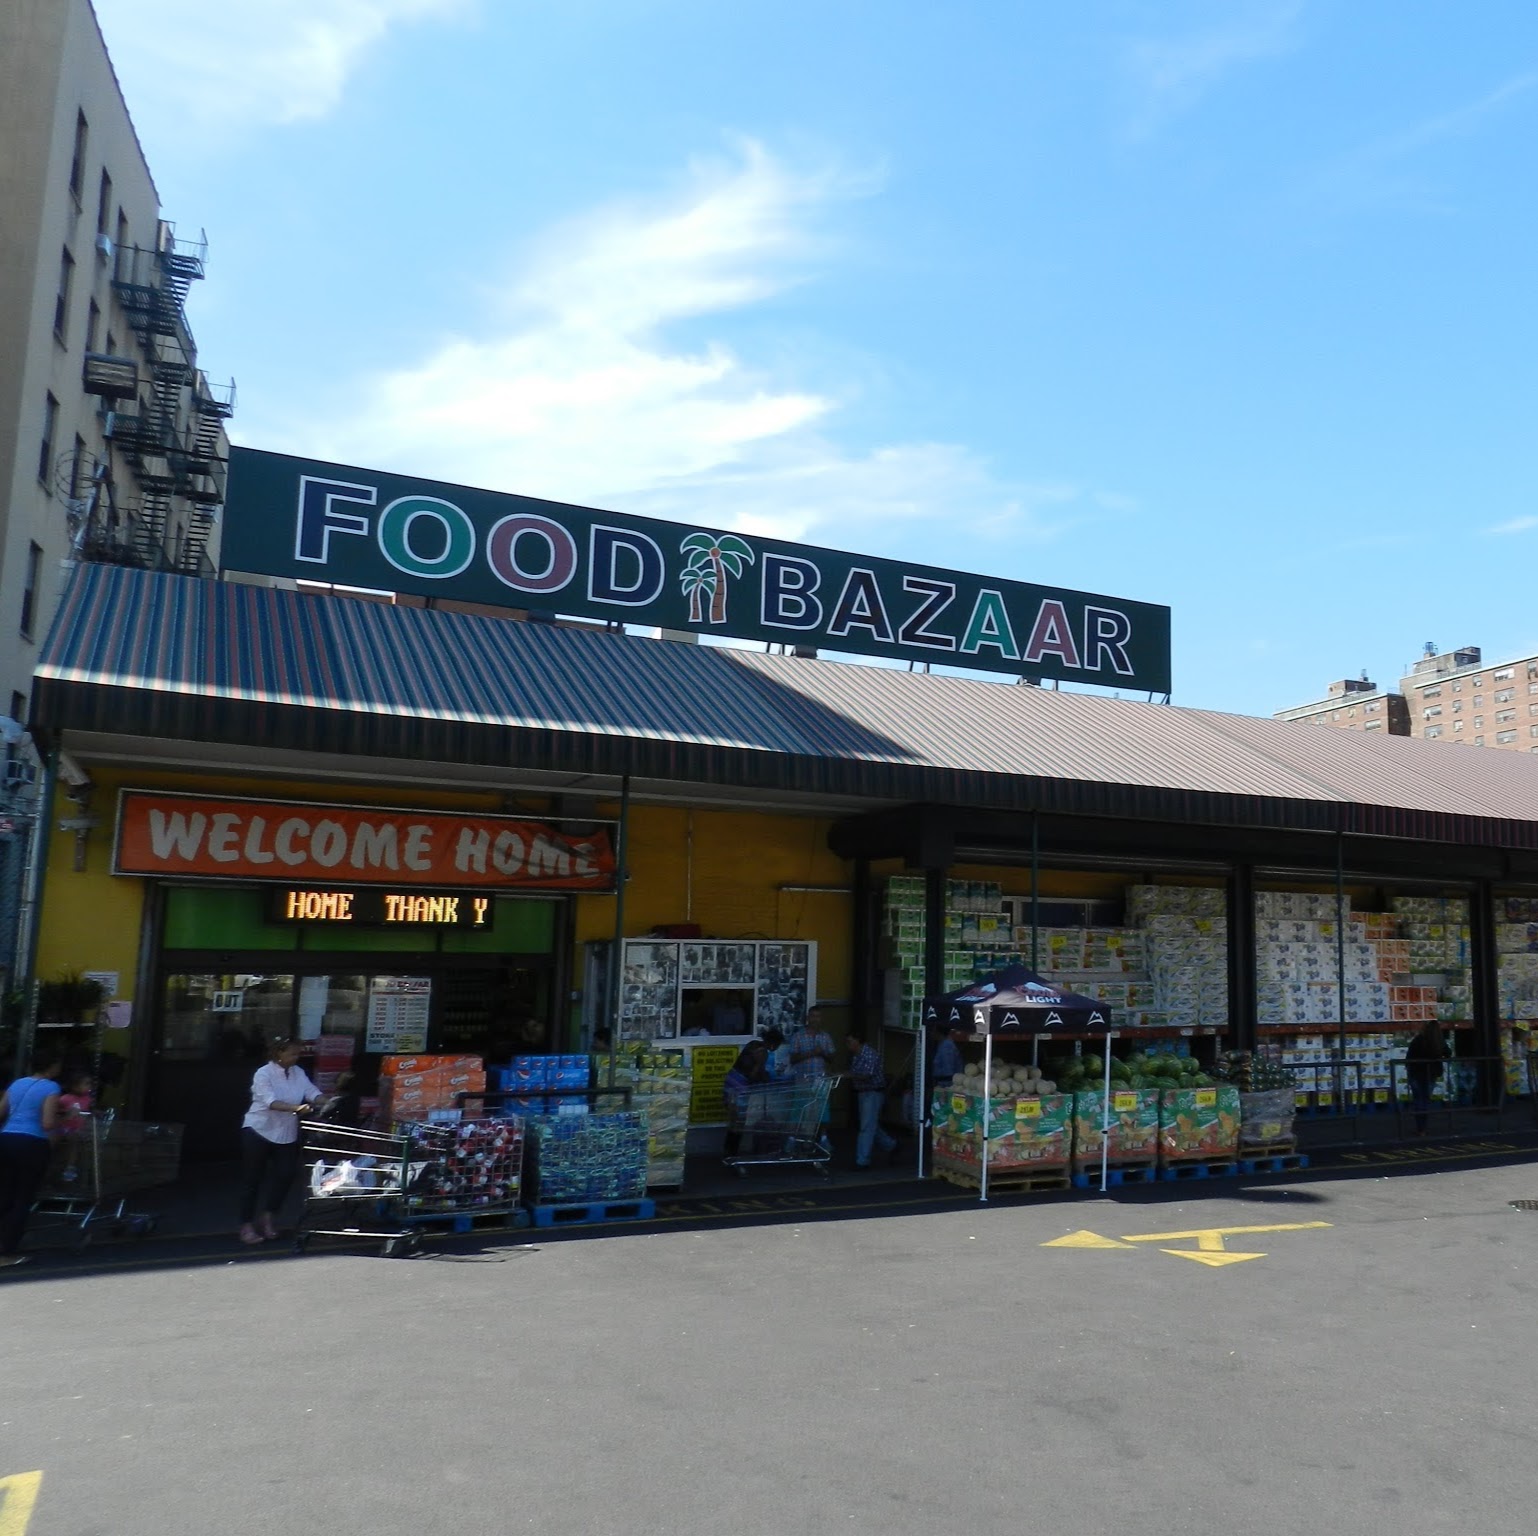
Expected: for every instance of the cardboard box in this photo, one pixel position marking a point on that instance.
(1197, 1123)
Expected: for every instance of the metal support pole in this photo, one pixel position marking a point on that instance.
(1035, 889)
(27, 1036)
(1340, 967)
(616, 953)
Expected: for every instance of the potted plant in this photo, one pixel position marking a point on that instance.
(70, 998)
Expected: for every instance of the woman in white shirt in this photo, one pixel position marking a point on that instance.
(269, 1139)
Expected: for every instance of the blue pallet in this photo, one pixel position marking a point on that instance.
(467, 1221)
(1198, 1170)
(1276, 1162)
(1127, 1173)
(593, 1211)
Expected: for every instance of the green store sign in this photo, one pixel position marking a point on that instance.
(320, 522)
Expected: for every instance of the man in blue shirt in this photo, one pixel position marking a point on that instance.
(948, 1060)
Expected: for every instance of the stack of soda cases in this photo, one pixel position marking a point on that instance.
(532, 1079)
(475, 1164)
(580, 1158)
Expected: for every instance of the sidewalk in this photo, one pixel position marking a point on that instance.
(193, 1220)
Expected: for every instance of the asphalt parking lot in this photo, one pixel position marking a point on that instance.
(1336, 1353)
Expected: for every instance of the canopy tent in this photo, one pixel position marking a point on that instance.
(1018, 1003)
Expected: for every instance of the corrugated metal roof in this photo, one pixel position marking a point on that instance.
(157, 654)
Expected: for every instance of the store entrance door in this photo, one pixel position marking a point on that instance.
(214, 1033)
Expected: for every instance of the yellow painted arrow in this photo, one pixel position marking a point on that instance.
(1085, 1239)
(1212, 1260)
(1211, 1238)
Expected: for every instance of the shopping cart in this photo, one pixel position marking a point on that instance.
(94, 1170)
(779, 1124)
(389, 1184)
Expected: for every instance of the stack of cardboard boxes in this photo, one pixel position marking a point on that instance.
(412, 1087)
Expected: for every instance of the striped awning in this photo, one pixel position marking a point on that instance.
(137, 653)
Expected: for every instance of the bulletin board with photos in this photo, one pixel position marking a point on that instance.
(725, 989)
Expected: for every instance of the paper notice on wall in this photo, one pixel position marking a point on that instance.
(313, 992)
(711, 1064)
(108, 980)
(398, 1012)
(120, 1014)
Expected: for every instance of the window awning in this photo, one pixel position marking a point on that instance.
(149, 654)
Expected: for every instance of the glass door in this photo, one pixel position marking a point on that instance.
(214, 1033)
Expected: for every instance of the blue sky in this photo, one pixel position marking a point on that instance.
(1229, 306)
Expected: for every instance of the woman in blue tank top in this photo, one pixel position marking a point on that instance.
(29, 1116)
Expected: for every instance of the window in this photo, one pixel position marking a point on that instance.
(77, 165)
(103, 203)
(112, 349)
(1503, 715)
(1434, 711)
(122, 230)
(45, 449)
(1457, 706)
(1372, 709)
(1479, 701)
(1479, 721)
(1505, 695)
(1504, 675)
(29, 592)
(92, 325)
(1351, 713)
(1432, 731)
(1377, 725)
(1431, 693)
(1532, 687)
(1505, 738)
(1479, 741)
(1532, 730)
(1457, 725)
(1457, 687)
(77, 467)
(1479, 682)
(61, 302)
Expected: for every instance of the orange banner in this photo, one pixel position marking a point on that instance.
(228, 839)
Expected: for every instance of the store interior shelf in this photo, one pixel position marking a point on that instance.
(1378, 1027)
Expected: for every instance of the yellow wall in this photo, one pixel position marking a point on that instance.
(720, 869)
(723, 870)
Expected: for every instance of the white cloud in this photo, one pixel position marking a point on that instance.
(214, 65)
(1516, 525)
(1172, 74)
(578, 390)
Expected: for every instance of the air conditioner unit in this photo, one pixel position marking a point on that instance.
(19, 774)
(104, 246)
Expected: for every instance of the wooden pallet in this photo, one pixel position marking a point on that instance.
(1004, 1181)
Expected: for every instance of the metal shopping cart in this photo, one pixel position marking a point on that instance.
(779, 1124)
(94, 1170)
(389, 1184)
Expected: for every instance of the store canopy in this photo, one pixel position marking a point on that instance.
(161, 657)
(1016, 1001)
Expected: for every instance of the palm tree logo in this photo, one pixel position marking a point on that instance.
(711, 559)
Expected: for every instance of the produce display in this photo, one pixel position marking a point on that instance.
(1030, 1124)
(1198, 1123)
(1134, 1127)
(1140, 1069)
(1266, 1097)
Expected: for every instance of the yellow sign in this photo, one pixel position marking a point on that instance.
(1206, 1097)
(1124, 1103)
(18, 1498)
(1028, 1109)
(711, 1064)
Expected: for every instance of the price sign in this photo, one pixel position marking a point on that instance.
(1028, 1109)
(1206, 1098)
(1124, 1103)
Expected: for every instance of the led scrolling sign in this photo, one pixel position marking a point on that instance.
(308, 520)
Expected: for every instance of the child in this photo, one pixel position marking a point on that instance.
(74, 1105)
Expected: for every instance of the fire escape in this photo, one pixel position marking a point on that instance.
(169, 427)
